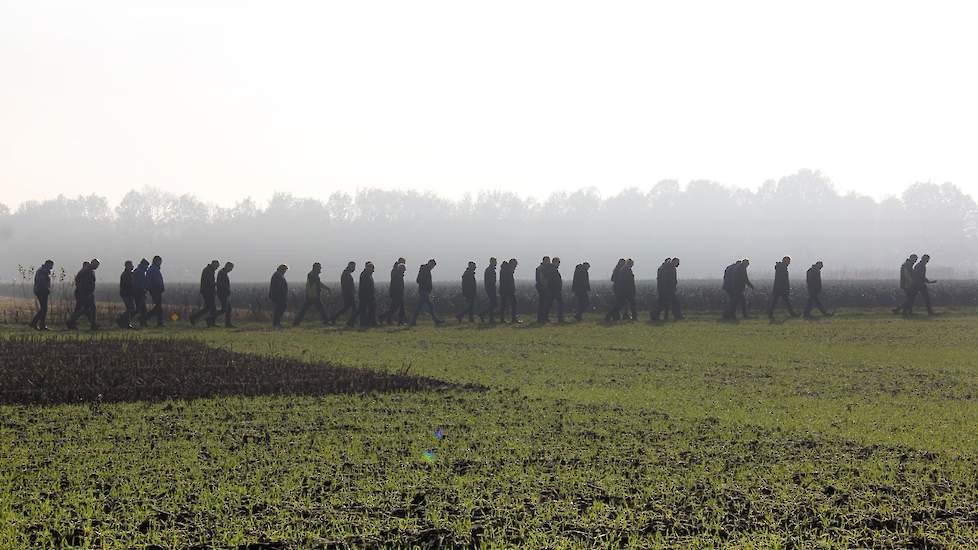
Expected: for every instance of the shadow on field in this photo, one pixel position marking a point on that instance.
(72, 370)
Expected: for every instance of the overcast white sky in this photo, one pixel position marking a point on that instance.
(241, 99)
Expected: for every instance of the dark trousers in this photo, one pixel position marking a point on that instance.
(558, 299)
(623, 303)
(157, 310)
(225, 309)
(124, 320)
(84, 307)
(469, 309)
(774, 302)
(368, 313)
(667, 301)
(424, 302)
(348, 305)
(209, 309)
(490, 308)
(40, 319)
(140, 300)
(580, 304)
(397, 306)
(315, 303)
(278, 310)
(543, 315)
(736, 298)
(912, 297)
(813, 302)
(510, 300)
(903, 303)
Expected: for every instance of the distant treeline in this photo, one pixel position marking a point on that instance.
(705, 224)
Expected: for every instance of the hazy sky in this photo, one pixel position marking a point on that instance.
(243, 98)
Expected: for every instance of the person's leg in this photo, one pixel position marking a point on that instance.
(277, 313)
(559, 298)
(140, 300)
(40, 319)
(908, 304)
(787, 301)
(90, 312)
(354, 313)
(812, 298)
(226, 310)
(210, 303)
(742, 300)
(926, 293)
(158, 307)
(677, 309)
(773, 304)
(302, 313)
(341, 311)
(633, 307)
(401, 316)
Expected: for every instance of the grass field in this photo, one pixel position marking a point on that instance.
(854, 431)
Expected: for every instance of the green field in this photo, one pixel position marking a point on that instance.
(861, 430)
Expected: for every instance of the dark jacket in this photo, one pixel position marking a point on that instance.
(489, 280)
(42, 281)
(507, 282)
(555, 283)
(616, 280)
(813, 277)
(347, 288)
(396, 289)
(424, 279)
(920, 279)
(314, 286)
(208, 286)
(730, 277)
(628, 281)
(582, 280)
(154, 279)
(781, 285)
(541, 277)
(366, 290)
(278, 290)
(739, 280)
(126, 287)
(85, 281)
(223, 284)
(468, 283)
(139, 280)
(906, 275)
(667, 279)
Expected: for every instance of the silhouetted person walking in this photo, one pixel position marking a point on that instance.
(314, 295)
(906, 282)
(541, 287)
(368, 301)
(628, 288)
(224, 293)
(85, 295)
(555, 291)
(139, 291)
(425, 287)
(813, 280)
(617, 290)
(154, 284)
(127, 292)
(919, 284)
(739, 282)
(581, 287)
(489, 285)
(278, 293)
(507, 290)
(782, 288)
(396, 294)
(208, 292)
(42, 291)
(667, 283)
(468, 293)
(348, 293)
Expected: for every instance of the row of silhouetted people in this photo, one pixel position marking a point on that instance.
(141, 289)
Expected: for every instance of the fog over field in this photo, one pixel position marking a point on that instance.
(705, 224)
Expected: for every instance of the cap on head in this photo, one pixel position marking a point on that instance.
(351, 265)
(786, 259)
(586, 265)
(401, 260)
(913, 257)
(144, 262)
(157, 260)
(128, 263)
(229, 266)
(283, 267)
(555, 260)
(925, 257)
(49, 263)
(215, 263)
(95, 262)
(471, 264)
